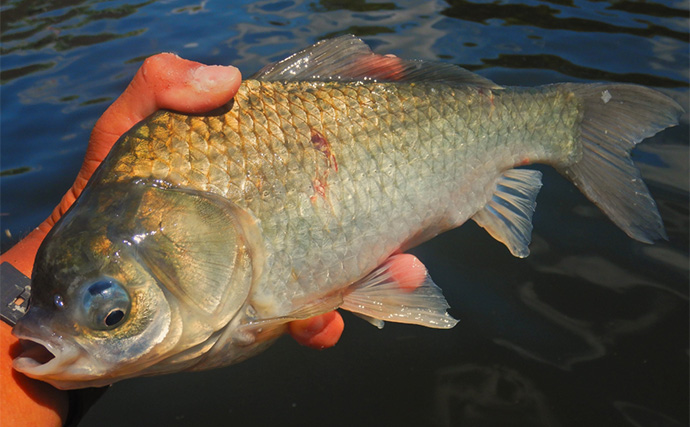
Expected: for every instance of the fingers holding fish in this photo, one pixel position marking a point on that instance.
(407, 271)
(164, 81)
(318, 332)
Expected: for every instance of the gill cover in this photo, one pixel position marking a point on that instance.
(198, 246)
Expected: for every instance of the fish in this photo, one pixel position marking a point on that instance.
(200, 237)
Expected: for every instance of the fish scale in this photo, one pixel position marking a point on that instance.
(403, 152)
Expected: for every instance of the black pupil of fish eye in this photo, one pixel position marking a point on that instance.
(114, 317)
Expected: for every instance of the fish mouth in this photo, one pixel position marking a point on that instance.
(34, 354)
(42, 359)
(47, 355)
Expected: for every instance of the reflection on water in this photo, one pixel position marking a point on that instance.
(591, 329)
(258, 41)
(32, 26)
(555, 63)
(478, 396)
(639, 416)
(548, 17)
(354, 6)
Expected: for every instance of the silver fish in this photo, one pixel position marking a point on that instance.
(200, 237)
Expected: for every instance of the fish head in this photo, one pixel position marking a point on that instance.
(134, 280)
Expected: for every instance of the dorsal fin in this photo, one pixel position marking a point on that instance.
(347, 58)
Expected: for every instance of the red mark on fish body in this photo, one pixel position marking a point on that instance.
(322, 144)
(320, 182)
(319, 187)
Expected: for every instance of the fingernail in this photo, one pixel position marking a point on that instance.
(211, 77)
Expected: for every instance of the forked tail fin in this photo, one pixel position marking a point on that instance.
(616, 117)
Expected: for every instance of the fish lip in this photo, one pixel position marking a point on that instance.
(27, 363)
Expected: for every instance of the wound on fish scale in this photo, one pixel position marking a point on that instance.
(322, 145)
(320, 181)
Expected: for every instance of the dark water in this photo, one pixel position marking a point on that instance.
(590, 330)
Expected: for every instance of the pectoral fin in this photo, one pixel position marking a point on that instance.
(508, 215)
(385, 296)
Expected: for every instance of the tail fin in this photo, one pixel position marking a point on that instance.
(616, 117)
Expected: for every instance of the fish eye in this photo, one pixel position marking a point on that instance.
(106, 304)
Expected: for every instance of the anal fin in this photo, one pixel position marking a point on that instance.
(508, 215)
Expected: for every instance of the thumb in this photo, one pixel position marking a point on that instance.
(164, 81)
